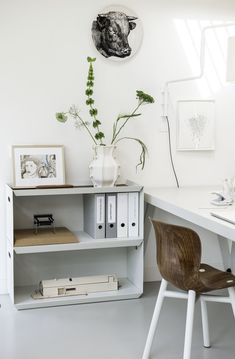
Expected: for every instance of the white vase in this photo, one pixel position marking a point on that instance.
(104, 168)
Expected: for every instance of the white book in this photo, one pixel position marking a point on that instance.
(133, 214)
(122, 214)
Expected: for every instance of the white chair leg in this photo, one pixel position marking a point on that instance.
(205, 326)
(231, 292)
(189, 324)
(154, 320)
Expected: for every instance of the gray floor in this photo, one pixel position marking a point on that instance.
(111, 330)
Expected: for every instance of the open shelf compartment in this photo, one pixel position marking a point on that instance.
(125, 262)
(127, 290)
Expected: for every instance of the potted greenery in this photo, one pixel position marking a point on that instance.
(104, 168)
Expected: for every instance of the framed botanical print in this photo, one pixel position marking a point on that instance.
(196, 125)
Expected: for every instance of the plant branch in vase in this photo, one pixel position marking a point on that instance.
(104, 168)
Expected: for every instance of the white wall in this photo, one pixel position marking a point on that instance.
(44, 45)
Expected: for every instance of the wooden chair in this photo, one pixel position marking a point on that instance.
(178, 259)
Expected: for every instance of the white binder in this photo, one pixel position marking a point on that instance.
(122, 214)
(133, 214)
(94, 215)
(111, 215)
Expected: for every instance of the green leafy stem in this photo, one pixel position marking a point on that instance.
(119, 123)
(90, 101)
(73, 112)
(144, 150)
(118, 126)
(143, 99)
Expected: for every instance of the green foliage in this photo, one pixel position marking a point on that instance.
(96, 123)
(93, 112)
(89, 92)
(90, 101)
(61, 116)
(119, 123)
(91, 59)
(144, 97)
(99, 135)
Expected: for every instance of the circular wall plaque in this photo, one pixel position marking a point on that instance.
(117, 33)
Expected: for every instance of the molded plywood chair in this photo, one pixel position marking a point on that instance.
(178, 259)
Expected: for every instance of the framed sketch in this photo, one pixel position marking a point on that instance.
(196, 125)
(38, 165)
(117, 33)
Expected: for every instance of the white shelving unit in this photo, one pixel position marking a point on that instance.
(28, 265)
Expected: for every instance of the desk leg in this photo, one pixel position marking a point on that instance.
(149, 212)
(227, 252)
(232, 259)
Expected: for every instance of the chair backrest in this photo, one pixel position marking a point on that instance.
(178, 254)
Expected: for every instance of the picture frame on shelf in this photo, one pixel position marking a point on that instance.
(39, 165)
(195, 125)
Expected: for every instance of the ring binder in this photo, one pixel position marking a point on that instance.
(111, 215)
(133, 214)
(122, 214)
(94, 215)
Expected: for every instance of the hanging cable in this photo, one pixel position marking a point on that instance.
(170, 151)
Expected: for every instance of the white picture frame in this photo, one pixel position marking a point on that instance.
(39, 165)
(195, 125)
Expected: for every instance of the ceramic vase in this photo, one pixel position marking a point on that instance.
(104, 169)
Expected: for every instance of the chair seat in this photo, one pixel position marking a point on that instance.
(179, 262)
(212, 279)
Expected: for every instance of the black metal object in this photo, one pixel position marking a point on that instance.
(43, 220)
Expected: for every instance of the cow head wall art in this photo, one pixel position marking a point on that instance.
(110, 34)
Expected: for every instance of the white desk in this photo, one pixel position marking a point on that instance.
(193, 204)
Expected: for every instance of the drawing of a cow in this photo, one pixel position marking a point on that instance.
(110, 33)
